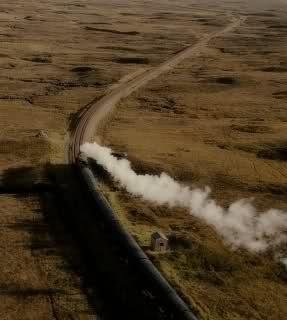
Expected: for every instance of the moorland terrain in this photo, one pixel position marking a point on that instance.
(218, 119)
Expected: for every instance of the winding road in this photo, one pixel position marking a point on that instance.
(91, 116)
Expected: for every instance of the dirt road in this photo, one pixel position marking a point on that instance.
(94, 113)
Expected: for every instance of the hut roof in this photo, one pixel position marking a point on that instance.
(158, 235)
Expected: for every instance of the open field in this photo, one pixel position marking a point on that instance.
(56, 56)
(220, 120)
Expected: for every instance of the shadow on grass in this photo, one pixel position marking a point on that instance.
(71, 228)
(29, 291)
(49, 235)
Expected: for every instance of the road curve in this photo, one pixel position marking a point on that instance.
(90, 118)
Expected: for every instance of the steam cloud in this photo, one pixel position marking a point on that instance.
(284, 262)
(240, 224)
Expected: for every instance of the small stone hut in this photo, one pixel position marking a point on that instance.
(159, 241)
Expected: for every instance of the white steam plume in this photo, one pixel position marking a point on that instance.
(284, 262)
(240, 224)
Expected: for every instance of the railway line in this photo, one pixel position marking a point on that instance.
(85, 127)
(92, 115)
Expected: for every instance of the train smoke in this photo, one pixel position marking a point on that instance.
(240, 224)
(284, 262)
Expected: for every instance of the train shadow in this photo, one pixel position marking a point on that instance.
(113, 288)
(49, 238)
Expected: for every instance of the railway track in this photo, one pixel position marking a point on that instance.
(85, 127)
(92, 115)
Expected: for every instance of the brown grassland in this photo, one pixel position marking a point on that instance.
(219, 119)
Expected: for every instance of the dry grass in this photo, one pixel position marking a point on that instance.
(210, 123)
(56, 58)
(216, 121)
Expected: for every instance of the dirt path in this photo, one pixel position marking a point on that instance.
(92, 116)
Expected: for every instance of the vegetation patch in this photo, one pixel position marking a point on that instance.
(28, 18)
(179, 240)
(119, 48)
(130, 14)
(159, 104)
(134, 60)
(278, 26)
(129, 33)
(274, 152)
(82, 69)
(226, 80)
(271, 151)
(252, 128)
(280, 94)
(275, 69)
(40, 59)
(263, 14)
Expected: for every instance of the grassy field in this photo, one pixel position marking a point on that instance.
(57, 56)
(219, 120)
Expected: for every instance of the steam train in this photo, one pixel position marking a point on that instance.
(156, 286)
